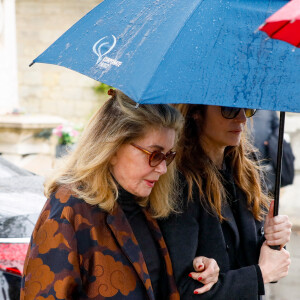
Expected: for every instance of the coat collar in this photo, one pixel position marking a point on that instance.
(124, 235)
(226, 209)
(230, 220)
(248, 229)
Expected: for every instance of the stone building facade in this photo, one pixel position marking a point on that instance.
(46, 95)
(8, 56)
(48, 89)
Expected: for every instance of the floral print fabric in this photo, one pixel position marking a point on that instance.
(78, 251)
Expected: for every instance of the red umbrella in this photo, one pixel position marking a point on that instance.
(285, 24)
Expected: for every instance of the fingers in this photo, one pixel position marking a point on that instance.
(210, 279)
(274, 264)
(196, 276)
(205, 277)
(208, 267)
(203, 289)
(271, 210)
(285, 264)
(208, 282)
(211, 272)
(207, 270)
(279, 238)
(278, 220)
(277, 224)
(213, 278)
(278, 230)
(198, 264)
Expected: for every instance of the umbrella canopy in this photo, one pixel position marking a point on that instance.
(174, 51)
(285, 24)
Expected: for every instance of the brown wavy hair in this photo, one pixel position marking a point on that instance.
(86, 171)
(199, 169)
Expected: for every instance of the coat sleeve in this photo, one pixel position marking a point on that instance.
(181, 234)
(51, 267)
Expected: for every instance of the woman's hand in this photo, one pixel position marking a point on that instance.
(274, 264)
(277, 229)
(206, 272)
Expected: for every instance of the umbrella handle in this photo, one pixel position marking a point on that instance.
(278, 170)
(275, 247)
(279, 163)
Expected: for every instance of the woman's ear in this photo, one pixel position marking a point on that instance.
(113, 160)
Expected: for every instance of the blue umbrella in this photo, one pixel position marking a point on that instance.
(174, 51)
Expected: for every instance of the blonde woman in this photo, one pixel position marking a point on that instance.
(224, 209)
(97, 236)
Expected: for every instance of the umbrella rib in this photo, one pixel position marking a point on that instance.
(277, 30)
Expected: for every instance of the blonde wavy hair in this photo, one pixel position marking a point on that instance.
(198, 168)
(86, 171)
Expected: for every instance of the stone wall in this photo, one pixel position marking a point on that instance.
(8, 57)
(48, 89)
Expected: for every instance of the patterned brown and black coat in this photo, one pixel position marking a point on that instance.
(78, 251)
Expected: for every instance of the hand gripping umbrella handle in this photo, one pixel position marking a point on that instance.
(275, 248)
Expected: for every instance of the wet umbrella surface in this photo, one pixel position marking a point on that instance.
(173, 51)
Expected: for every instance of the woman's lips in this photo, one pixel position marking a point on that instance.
(150, 183)
(236, 131)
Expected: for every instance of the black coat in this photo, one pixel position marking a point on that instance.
(235, 245)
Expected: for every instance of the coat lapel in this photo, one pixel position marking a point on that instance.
(153, 225)
(248, 230)
(123, 233)
(229, 219)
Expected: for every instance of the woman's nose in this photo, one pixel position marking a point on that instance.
(161, 168)
(241, 117)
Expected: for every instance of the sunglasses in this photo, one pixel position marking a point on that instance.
(156, 157)
(232, 112)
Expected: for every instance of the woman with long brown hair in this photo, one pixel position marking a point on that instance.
(224, 206)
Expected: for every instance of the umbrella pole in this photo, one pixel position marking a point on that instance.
(279, 163)
(278, 169)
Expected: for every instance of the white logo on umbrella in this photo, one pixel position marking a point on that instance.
(97, 48)
(104, 61)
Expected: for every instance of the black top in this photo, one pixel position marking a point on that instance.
(149, 248)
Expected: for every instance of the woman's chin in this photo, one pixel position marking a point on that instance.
(234, 142)
(142, 194)
(145, 194)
